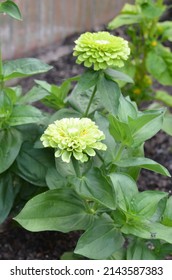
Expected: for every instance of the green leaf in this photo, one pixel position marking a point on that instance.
(152, 10)
(138, 250)
(71, 256)
(94, 186)
(163, 96)
(125, 188)
(33, 95)
(144, 163)
(162, 69)
(24, 114)
(109, 93)
(10, 143)
(32, 164)
(6, 106)
(54, 179)
(167, 123)
(148, 230)
(126, 109)
(117, 75)
(167, 216)
(100, 241)
(60, 210)
(24, 67)
(87, 80)
(56, 95)
(165, 30)
(65, 169)
(79, 101)
(124, 19)
(13, 94)
(7, 195)
(11, 9)
(146, 125)
(120, 131)
(64, 113)
(103, 125)
(145, 203)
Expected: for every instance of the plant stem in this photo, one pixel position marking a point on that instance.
(90, 101)
(119, 152)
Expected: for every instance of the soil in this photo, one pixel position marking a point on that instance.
(17, 243)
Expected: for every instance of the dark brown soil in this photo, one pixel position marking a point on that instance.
(17, 243)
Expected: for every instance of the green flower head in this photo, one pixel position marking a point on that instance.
(101, 49)
(73, 136)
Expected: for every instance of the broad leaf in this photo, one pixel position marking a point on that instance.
(32, 164)
(117, 75)
(124, 19)
(125, 188)
(167, 216)
(120, 131)
(24, 114)
(163, 96)
(152, 10)
(7, 195)
(109, 93)
(60, 210)
(33, 95)
(11, 9)
(94, 186)
(146, 125)
(80, 100)
(64, 113)
(54, 179)
(145, 203)
(148, 230)
(24, 67)
(103, 125)
(144, 163)
(162, 69)
(126, 109)
(10, 143)
(165, 30)
(167, 123)
(87, 80)
(100, 241)
(56, 95)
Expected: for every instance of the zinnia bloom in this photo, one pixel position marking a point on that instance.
(73, 136)
(101, 49)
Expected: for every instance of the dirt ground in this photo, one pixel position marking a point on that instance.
(17, 243)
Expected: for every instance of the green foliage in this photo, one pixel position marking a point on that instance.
(10, 8)
(147, 34)
(99, 196)
(61, 210)
(23, 67)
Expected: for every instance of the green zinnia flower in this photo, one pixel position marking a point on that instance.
(101, 49)
(73, 136)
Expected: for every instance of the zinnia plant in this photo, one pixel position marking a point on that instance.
(93, 185)
(90, 182)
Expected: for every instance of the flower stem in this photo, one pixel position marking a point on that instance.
(90, 102)
(119, 152)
